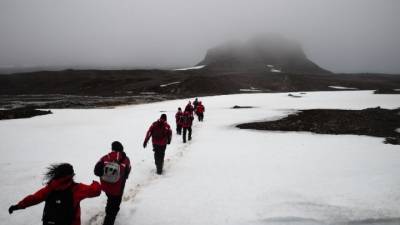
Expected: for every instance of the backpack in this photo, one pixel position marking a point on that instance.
(185, 119)
(58, 208)
(159, 131)
(112, 172)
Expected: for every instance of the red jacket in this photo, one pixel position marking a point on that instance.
(178, 117)
(160, 133)
(79, 192)
(116, 189)
(189, 108)
(200, 108)
(187, 119)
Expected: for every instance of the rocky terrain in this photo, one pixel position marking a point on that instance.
(22, 112)
(376, 122)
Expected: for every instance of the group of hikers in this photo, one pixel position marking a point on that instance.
(62, 195)
(161, 133)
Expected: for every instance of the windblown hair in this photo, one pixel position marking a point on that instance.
(55, 171)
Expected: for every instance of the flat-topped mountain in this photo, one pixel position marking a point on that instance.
(272, 53)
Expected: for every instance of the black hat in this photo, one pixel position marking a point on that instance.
(117, 146)
(163, 117)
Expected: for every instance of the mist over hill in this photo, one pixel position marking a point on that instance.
(261, 53)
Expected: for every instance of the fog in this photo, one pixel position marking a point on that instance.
(339, 35)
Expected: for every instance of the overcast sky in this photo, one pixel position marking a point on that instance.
(339, 35)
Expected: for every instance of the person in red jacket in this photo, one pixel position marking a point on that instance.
(62, 196)
(161, 134)
(200, 111)
(178, 120)
(187, 120)
(113, 170)
(189, 107)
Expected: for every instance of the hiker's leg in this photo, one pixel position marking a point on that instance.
(112, 208)
(159, 152)
(161, 159)
(190, 133)
(156, 155)
(184, 134)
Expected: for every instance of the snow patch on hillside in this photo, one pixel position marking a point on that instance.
(169, 84)
(251, 89)
(275, 71)
(193, 68)
(342, 88)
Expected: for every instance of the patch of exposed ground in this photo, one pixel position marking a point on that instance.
(242, 107)
(24, 112)
(75, 101)
(375, 122)
(387, 91)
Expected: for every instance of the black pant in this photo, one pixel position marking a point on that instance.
(200, 116)
(178, 129)
(112, 208)
(185, 129)
(159, 153)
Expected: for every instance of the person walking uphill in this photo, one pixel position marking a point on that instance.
(113, 170)
(178, 120)
(189, 107)
(195, 103)
(200, 111)
(62, 196)
(161, 134)
(187, 120)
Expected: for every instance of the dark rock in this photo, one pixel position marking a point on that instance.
(242, 107)
(294, 96)
(24, 112)
(387, 91)
(376, 122)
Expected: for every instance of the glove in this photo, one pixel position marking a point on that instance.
(99, 169)
(13, 208)
(144, 144)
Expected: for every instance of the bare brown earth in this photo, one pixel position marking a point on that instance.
(375, 122)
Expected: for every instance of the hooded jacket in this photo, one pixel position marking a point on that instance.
(200, 108)
(160, 133)
(189, 107)
(79, 192)
(187, 119)
(178, 118)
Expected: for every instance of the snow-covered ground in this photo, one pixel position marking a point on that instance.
(224, 175)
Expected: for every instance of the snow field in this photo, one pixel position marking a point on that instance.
(224, 175)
